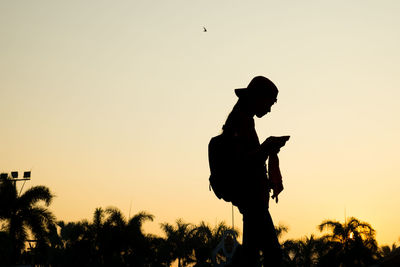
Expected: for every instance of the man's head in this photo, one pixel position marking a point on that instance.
(260, 94)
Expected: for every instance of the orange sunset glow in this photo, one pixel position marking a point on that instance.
(114, 103)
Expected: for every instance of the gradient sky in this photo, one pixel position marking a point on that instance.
(112, 103)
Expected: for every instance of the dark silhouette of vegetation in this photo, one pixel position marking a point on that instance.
(352, 243)
(22, 215)
(178, 239)
(111, 239)
(303, 252)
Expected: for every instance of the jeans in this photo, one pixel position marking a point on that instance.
(259, 235)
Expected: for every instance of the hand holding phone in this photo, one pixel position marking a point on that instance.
(275, 142)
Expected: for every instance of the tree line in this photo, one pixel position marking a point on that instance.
(30, 234)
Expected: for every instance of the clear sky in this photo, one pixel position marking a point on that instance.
(112, 103)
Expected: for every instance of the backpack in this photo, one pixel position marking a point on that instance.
(224, 168)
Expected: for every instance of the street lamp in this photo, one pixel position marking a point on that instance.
(14, 177)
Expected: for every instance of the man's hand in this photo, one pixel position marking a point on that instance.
(277, 189)
(273, 144)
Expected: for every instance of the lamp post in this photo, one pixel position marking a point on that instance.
(14, 178)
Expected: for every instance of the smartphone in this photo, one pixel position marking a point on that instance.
(281, 140)
(285, 137)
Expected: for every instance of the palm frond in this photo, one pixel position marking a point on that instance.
(138, 219)
(35, 194)
(329, 224)
(167, 228)
(39, 219)
(115, 217)
(17, 230)
(98, 217)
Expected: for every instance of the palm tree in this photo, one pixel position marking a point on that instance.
(203, 243)
(23, 214)
(5, 249)
(387, 250)
(140, 249)
(178, 238)
(289, 247)
(113, 238)
(305, 252)
(120, 241)
(218, 232)
(223, 235)
(351, 243)
(76, 245)
(110, 240)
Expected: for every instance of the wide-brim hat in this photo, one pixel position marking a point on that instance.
(258, 86)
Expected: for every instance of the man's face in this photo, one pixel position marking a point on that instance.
(262, 105)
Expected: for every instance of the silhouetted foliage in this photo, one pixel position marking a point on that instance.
(350, 244)
(303, 252)
(204, 241)
(179, 240)
(5, 248)
(110, 239)
(23, 215)
(386, 251)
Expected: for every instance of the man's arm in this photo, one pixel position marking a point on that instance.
(271, 146)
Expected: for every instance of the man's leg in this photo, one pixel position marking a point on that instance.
(250, 243)
(271, 248)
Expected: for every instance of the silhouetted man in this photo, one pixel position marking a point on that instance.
(255, 184)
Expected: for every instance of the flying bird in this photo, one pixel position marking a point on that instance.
(204, 29)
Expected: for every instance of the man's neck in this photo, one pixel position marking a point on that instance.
(245, 109)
